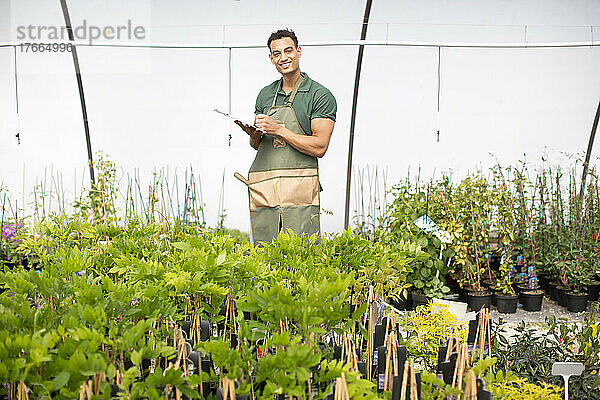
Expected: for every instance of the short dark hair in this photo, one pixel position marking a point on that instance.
(280, 34)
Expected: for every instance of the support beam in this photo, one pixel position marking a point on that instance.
(361, 49)
(588, 154)
(86, 127)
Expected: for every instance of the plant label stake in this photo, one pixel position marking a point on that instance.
(566, 370)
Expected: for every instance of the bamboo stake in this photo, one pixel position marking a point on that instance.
(81, 392)
(387, 327)
(449, 348)
(391, 361)
(404, 381)
(341, 388)
(477, 335)
(456, 365)
(345, 387)
(489, 333)
(413, 381)
(485, 331)
(23, 391)
(225, 388)
(388, 361)
(344, 344)
(470, 386)
(370, 335)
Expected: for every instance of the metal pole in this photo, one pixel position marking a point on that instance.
(588, 155)
(86, 127)
(361, 49)
(229, 89)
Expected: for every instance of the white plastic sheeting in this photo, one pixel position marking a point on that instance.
(151, 108)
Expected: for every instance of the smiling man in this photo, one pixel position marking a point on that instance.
(296, 116)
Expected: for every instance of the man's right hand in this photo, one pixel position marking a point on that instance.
(255, 134)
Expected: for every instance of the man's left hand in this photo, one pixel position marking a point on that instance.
(267, 124)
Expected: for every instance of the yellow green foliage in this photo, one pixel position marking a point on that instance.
(427, 328)
(510, 387)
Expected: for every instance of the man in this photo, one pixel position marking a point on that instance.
(295, 116)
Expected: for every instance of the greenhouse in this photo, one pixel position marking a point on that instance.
(267, 200)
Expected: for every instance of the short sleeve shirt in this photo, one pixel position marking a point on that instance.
(312, 100)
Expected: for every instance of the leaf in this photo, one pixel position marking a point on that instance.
(359, 311)
(317, 330)
(136, 356)
(221, 257)
(111, 371)
(61, 380)
(182, 246)
(189, 392)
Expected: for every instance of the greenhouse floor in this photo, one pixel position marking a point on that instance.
(549, 307)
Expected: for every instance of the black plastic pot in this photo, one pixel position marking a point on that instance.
(402, 303)
(543, 280)
(478, 300)
(506, 304)
(418, 299)
(494, 291)
(576, 302)
(562, 296)
(463, 291)
(552, 290)
(489, 282)
(532, 299)
(522, 287)
(593, 291)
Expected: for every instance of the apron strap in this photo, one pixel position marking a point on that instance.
(276, 91)
(296, 87)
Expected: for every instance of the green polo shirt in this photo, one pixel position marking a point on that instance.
(313, 100)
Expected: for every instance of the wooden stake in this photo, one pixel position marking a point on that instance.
(404, 381)
(225, 388)
(449, 348)
(461, 371)
(413, 381)
(470, 386)
(343, 348)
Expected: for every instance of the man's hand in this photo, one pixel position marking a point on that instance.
(267, 124)
(254, 134)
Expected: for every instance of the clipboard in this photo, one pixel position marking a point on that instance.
(237, 119)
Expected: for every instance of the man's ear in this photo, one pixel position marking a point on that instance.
(271, 58)
(299, 51)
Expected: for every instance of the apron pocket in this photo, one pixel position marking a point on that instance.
(298, 191)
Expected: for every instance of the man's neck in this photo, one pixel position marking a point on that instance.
(289, 81)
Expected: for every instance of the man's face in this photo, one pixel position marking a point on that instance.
(285, 55)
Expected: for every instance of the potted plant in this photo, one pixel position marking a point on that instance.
(525, 207)
(470, 226)
(427, 276)
(505, 296)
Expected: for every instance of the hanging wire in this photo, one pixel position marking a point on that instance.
(18, 135)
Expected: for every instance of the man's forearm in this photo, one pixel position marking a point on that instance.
(310, 145)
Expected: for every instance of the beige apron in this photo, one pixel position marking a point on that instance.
(283, 183)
